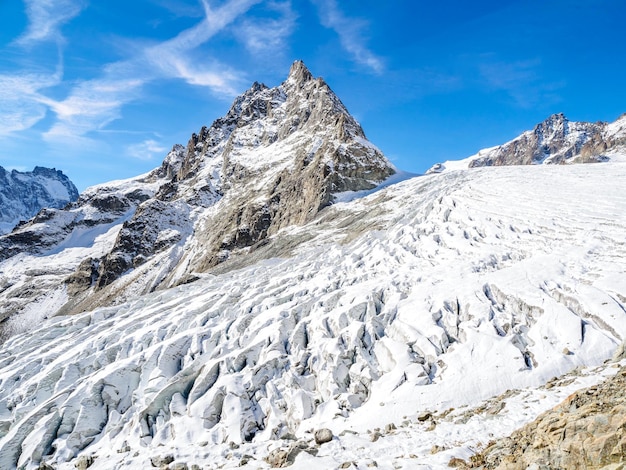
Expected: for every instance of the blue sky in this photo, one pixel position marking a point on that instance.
(102, 90)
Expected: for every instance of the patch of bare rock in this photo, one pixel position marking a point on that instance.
(586, 431)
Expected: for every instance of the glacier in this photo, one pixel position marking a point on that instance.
(416, 323)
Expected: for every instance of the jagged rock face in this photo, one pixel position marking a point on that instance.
(22, 195)
(274, 160)
(556, 140)
(588, 430)
(94, 210)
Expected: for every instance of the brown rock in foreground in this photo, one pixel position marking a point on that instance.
(586, 431)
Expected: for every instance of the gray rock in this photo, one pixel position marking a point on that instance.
(323, 436)
(160, 461)
(286, 456)
(588, 430)
(84, 462)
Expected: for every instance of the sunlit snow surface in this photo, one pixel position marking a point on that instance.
(439, 292)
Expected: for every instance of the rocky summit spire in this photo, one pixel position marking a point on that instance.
(299, 73)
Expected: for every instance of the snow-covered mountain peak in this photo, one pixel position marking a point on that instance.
(23, 194)
(299, 74)
(275, 159)
(556, 140)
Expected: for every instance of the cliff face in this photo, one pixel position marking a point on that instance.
(276, 159)
(23, 194)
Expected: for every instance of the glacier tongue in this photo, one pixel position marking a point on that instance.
(435, 293)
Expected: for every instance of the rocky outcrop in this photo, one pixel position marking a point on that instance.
(588, 430)
(24, 194)
(557, 140)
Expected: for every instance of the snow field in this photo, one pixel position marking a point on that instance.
(439, 292)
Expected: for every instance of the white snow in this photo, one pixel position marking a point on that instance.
(55, 188)
(439, 292)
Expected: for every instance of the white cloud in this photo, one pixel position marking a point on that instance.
(350, 32)
(20, 108)
(174, 58)
(146, 150)
(46, 17)
(268, 36)
(93, 104)
(521, 80)
(21, 100)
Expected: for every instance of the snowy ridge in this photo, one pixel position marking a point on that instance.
(556, 140)
(435, 293)
(22, 195)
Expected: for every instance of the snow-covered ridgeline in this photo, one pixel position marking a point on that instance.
(438, 292)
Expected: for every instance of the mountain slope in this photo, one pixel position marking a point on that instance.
(23, 194)
(277, 158)
(440, 292)
(556, 140)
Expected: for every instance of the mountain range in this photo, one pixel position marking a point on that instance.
(277, 294)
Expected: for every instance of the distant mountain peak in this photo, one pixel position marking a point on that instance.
(24, 194)
(299, 73)
(556, 140)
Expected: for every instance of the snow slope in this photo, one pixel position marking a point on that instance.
(416, 323)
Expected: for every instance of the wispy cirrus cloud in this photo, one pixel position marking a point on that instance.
(21, 91)
(92, 104)
(351, 33)
(268, 36)
(45, 18)
(521, 80)
(175, 59)
(146, 150)
(20, 107)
